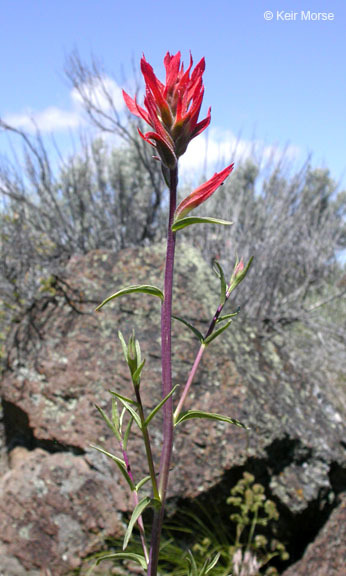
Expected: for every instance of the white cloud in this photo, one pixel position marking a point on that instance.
(213, 151)
(54, 119)
(218, 148)
(50, 119)
(102, 92)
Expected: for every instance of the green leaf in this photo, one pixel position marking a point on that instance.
(138, 352)
(143, 288)
(127, 432)
(213, 563)
(123, 412)
(190, 414)
(115, 417)
(123, 344)
(127, 403)
(139, 509)
(194, 330)
(219, 272)
(137, 373)
(193, 566)
(110, 425)
(226, 316)
(142, 482)
(125, 556)
(179, 224)
(157, 408)
(119, 462)
(217, 333)
(121, 397)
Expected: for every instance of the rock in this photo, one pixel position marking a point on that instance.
(64, 359)
(52, 508)
(326, 556)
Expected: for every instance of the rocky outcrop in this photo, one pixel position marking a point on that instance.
(52, 507)
(326, 556)
(60, 500)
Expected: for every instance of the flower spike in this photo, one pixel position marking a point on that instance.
(171, 109)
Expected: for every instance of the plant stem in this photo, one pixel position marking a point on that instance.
(166, 355)
(199, 356)
(189, 381)
(135, 501)
(146, 439)
(217, 314)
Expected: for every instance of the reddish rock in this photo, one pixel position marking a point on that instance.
(326, 556)
(53, 508)
(62, 499)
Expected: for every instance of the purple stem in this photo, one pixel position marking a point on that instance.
(166, 355)
(199, 356)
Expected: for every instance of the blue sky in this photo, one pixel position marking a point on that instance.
(280, 82)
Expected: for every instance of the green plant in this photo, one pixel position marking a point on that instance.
(242, 547)
(200, 542)
(252, 550)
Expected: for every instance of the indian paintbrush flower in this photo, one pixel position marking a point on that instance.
(171, 109)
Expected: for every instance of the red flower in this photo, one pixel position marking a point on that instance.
(171, 109)
(202, 193)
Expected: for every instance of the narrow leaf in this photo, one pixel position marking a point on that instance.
(138, 352)
(121, 397)
(193, 565)
(125, 556)
(142, 482)
(137, 373)
(190, 414)
(194, 330)
(183, 222)
(213, 563)
(221, 275)
(123, 344)
(115, 417)
(216, 333)
(143, 288)
(119, 462)
(108, 422)
(141, 506)
(226, 316)
(123, 412)
(125, 402)
(157, 408)
(127, 432)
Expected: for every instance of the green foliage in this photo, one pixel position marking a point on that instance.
(200, 542)
(144, 289)
(184, 222)
(252, 548)
(191, 414)
(253, 511)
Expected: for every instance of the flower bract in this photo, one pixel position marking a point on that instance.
(202, 193)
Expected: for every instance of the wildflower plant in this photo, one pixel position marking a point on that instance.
(172, 112)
